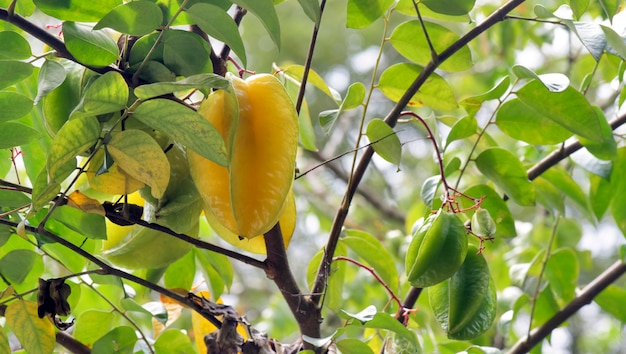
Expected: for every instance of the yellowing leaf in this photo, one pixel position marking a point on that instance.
(141, 157)
(76, 136)
(35, 334)
(82, 202)
(4, 342)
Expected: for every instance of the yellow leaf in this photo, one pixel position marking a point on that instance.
(82, 202)
(35, 334)
(141, 157)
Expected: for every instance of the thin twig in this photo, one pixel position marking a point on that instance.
(373, 273)
(309, 59)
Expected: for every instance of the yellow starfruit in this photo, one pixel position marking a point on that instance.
(259, 124)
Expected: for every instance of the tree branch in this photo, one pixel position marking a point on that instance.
(54, 42)
(584, 297)
(107, 269)
(391, 119)
(558, 155)
(277, 268)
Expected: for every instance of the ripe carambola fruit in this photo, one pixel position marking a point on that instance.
(257, 244)
(259, 125)
(437, 250)
(465, 304)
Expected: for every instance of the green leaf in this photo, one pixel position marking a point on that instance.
(434, 93)
(14, 134)
(606, 149)
(463, 128)
(519, 121)
(13, 199)
(385, 141)
(87, 224)
(14, 46)
(353, 346)
(136, 18)
(173, 341)
(139, 155)
(16, 264)
(609, 7)
(200, 81)
(35, 334)
(186, 53)
(89, 47)
(13, 71)
(409, 40)
(618, 184)
(218, 24)
(578, 7)
(450, 7)
(562, 273)
(591, 35)
(60, 102)
(429, 188)
(375, 254)
(506, 171)
(548, 195)
(218, 270)
(601, 168)
(297, 72)
(108, 93)
(185, 126)
(92, 324)
(266, 13)
(381, 320)
(119, 340)
(76, 10)
(562, 180)
(51, 75)
(13, 105)
(362, 13)
(553, 82)
(44, 190)
(180, 274)
(75, 137)
(611, 300)
(473, 104)
(569, 108)
(354, 98)
(311, 9)
(600, 195)
(366, 315)
(615, 43)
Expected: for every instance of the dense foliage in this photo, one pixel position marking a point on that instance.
(457, 185)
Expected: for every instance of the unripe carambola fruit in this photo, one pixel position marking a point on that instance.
(247, 197)
(437, 250)
(465, 304)
(179, 209)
